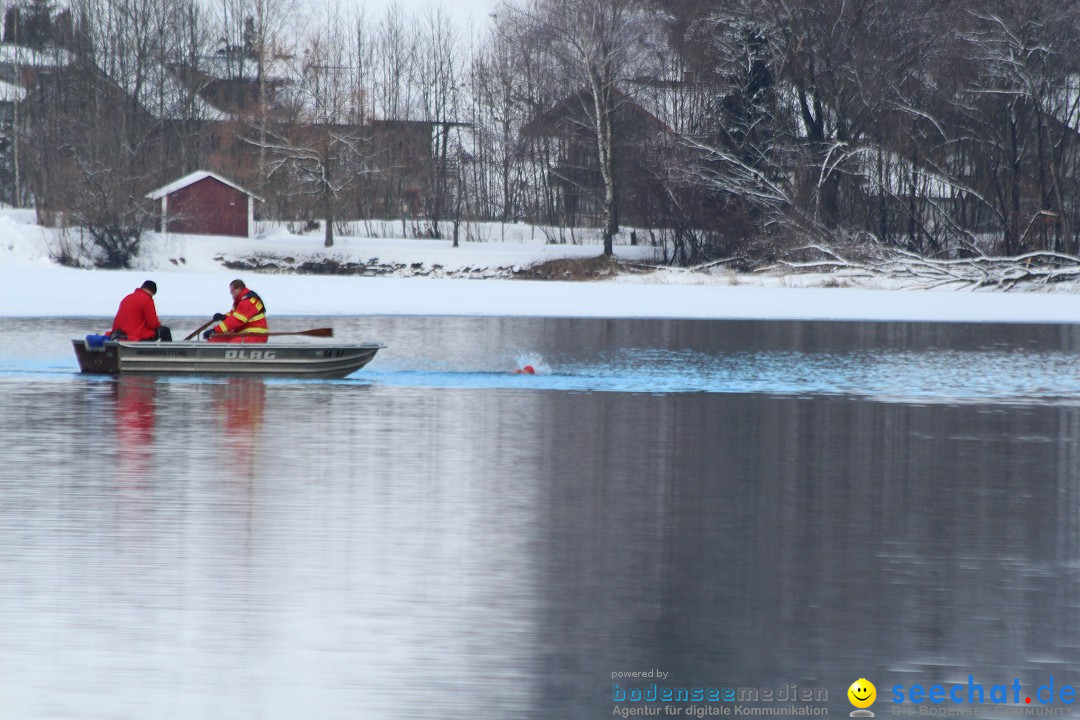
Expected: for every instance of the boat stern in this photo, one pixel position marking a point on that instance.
(96, 355)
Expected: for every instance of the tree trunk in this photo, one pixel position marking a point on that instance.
(440, 182)
(602, 104)
(328, 212)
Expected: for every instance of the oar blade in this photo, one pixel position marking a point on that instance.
(314, 332)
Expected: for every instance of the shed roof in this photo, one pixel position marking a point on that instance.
(191, 180)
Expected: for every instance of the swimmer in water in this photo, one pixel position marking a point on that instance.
(527, 370)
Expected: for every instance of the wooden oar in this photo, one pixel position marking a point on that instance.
(208, 324)
(315, 332)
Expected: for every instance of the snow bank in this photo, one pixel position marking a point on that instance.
(38, 292)
(193, 282)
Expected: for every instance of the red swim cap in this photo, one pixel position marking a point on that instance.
(529, 370)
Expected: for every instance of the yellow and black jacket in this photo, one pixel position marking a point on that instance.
(248, 316)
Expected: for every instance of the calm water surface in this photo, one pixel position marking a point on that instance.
(738, 504)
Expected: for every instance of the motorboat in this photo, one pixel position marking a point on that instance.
(271, 359)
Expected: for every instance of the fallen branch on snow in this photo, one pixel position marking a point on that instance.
(966, 273)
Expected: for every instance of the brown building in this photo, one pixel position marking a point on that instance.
(575, 172)
(203, 203)
(174, 125)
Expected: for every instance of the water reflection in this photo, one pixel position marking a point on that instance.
(135, 414)
(239, 405)
(236, 423)
(196, 548)
(810, 542)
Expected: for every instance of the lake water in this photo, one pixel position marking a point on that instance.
(736, 504)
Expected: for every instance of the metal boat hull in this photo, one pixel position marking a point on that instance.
(203, 358)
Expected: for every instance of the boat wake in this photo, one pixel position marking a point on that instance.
(1013, 376)
(925, 376)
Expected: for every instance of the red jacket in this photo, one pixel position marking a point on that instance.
(248, 316)
(137, 316)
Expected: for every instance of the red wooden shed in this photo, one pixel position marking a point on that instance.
(206, 204)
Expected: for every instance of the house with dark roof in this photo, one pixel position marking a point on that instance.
(575, 173)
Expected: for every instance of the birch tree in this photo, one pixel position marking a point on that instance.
(596, 45)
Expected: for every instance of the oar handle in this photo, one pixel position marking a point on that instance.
(208, 324)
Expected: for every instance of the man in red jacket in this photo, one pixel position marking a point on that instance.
(137, 319)
(246, 322)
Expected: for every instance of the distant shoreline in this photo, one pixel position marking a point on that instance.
(47, 290)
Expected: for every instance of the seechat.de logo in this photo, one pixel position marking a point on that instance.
(862, 695)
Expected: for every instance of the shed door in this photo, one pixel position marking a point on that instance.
(231, 216)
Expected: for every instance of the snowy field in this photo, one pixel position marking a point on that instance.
(192, 281)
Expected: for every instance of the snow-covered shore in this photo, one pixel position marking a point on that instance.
(193, 282)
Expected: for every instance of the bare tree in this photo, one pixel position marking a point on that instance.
(438, 66)
(503, 96)
(395, 69)
(943, 129)
(595, 45)
(89, 161)
(255, 37)
(510, 89)
(1020, 105)
(322, 142)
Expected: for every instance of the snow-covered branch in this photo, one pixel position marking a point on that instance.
(1005, 273)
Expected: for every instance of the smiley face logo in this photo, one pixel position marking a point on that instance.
(862, 693)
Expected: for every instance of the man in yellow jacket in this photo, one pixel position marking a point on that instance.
(246, 322)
